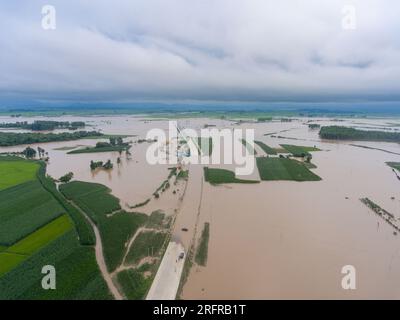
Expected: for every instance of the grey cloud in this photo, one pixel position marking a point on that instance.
(210, 49)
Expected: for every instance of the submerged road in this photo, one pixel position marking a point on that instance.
(166, 282)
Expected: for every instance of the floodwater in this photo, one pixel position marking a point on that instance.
(272, 240)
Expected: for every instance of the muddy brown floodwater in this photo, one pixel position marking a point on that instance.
(272, 240)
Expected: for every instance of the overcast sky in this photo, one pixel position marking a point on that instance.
(163, 50)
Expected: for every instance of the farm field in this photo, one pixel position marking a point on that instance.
(218, 176)
(32, 243)
(265, 148)
(147, 243)
(95, 149)
(35, 231)
(134, 284)
(25, 208)
(299, 151)
(78, 276)
(116, 229)
(202, 249)
(14, 172)
(284, 169)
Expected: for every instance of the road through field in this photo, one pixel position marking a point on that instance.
(100, 257)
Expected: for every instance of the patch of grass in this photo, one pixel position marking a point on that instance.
(155, 220)
(15, 172)
(147, 243)
(202, 249)
(284, 169)
(134, 285)
(25, 208)
(183, 174)
(299, 151)
(78, 276)
(265, 148)
(2, 248)
(218, 176)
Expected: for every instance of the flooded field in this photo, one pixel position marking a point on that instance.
(274, 239)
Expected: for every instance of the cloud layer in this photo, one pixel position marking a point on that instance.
(256, 50)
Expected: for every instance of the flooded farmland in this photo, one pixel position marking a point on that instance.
(274, 239)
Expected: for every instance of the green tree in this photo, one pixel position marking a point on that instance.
(29, 152)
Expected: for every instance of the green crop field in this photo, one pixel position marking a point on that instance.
(25, 208)
(147, 243)
(78, 276)
(265, 148)
(115, 231)
(14, 172)
(299, 151)
(202, 249)
(93, 198)
(43, 236)
(134, 285)
(96, 200)
(284, 169)
(8, 261)
(24, 248)
(34, 232)
(218, 176)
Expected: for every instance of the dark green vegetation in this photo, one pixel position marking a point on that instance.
(265, 148)
(99, 164)
(134, 284)
(42, 125)
(115, 229)
(346, 133)
(78, 276)
(147, 243)
(34, 214)
(183, 174)
(66, 177)
(116, 144)
(99, 149)
(218, 176)
(249, 148)
(314, 126)
(382, 213)
(14, 170)
(284, 169)
(299, 151)
(394, 165)
(202, 249)
(13, 139)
